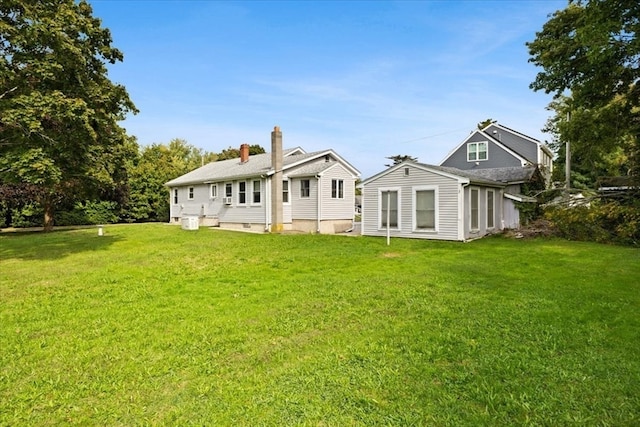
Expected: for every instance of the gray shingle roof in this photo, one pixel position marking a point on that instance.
(258, 164)
(510, 175)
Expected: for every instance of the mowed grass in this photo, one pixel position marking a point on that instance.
(153, 325)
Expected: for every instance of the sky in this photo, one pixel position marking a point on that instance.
(368, 79)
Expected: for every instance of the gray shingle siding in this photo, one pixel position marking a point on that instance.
(496, 156)
(514, 141)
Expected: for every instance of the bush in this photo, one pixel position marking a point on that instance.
(89, 213)
(609, 221)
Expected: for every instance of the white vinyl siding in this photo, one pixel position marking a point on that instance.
(448, 221)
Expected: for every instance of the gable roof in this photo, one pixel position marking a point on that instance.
(257, 165)
(463, 176)
(488, 137)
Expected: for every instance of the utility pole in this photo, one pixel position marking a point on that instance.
(568, 162)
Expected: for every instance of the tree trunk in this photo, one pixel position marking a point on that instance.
(48, 214)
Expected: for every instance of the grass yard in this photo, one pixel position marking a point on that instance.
(153, 325)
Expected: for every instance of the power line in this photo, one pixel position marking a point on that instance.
(433, 136)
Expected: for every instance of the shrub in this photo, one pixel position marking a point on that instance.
(608, 221)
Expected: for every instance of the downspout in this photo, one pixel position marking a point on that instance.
(318, 177)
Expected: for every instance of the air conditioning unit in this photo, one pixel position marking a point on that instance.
(227, 200)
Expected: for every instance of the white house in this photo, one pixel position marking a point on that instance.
(473, 192)
(282, 190)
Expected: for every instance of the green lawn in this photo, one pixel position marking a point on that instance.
(154, 325)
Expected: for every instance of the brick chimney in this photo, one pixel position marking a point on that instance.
(276, 181)
(244, 153)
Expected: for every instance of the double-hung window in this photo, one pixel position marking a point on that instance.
(213, 191)
(228, 189)
(389, 209)
(242, 192)
(175, 196)
(256, 192)
(305, 188)
(490, 209)
(425, 202)
(285, 191)
(477, 151)
(475, 208)
(337, 189)
(190, 193)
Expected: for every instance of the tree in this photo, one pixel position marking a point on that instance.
(483, 124)
(234, 153)
(59, 112)
(157, 164)
(399, 158)
(590, 57)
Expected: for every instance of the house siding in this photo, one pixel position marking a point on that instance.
(344, 208)
(304, 207)
(523, 146)
(496, 156)
(447, 189)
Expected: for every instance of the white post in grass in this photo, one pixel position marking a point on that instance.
(100, 231)
(388, 210)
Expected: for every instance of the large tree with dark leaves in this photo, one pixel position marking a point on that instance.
(590, 56)
(59, 111)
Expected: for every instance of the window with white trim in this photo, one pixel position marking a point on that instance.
(337, 189)
(256, 192)
(305, 188)
(477, 151)
(389, 208)
(474, 206)
(425, 205)
(213, 191)
(491, 209)
(242, 192)
(190, 193)
(175, 196)
(285, 191)
(228, 189)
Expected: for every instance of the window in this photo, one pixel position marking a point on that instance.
(389, 208)
(337, 189)
(285, 191)
(475, 200)
(490, 209)
(175, 196)
(213, 192)
(305, 187)
(190, 193)
(425, 209)
(256, 192)
(228, 189)
(242, 192)
(477, 151)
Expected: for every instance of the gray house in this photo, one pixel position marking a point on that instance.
(282, 190)
(473, 192)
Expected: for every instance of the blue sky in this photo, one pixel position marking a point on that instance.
(368, 79)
